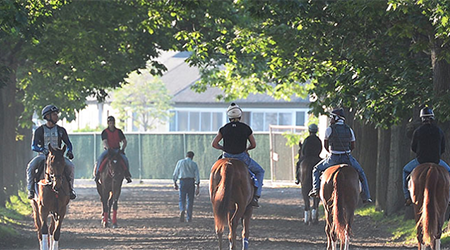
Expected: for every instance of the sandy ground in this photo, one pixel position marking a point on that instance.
(148, 218)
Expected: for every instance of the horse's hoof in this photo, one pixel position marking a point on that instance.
(115, 226)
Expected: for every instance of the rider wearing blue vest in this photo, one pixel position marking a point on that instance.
(235, 135)
(339, 141)
(49, 133)
(428, 143)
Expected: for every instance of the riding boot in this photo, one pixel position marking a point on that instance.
(30, 194)
(73, 195)
(128, 176)
(255, 201)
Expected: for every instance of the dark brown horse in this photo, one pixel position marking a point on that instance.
(231, 192)
(304, 171)
(340, 195)
(53, 197)
(429, 188)
(109, 185)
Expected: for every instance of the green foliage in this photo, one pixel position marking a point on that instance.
(146, 98)
(66, 51)
(361, 55)
(16, 209)
(89, 129)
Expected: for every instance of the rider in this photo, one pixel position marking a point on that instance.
(111, 138)
(235, 135)
(428, 143)
(339, 141)
(312, 146)
(49, 133)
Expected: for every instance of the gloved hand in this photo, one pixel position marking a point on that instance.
(45, 151)
(69, 155)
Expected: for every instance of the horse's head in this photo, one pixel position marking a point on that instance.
(114, 162)
(55, 165)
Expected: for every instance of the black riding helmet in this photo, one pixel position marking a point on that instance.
(426, 114)
(48, 110)
(338, 114)
(111, 118)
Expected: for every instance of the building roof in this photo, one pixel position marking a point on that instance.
(179, 78)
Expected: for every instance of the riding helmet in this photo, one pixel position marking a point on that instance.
(426, 113)
(48, 110)
(313, 128)
(338, 114)
(111, 118)
(234, 111)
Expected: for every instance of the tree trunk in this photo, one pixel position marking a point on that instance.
(383, 159)
(366, 151)
(398, 157)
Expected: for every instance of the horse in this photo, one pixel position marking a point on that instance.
(304, 175)
(429, 188)
(340, 195)
(231, 192)
(109, 185)
(53, 198)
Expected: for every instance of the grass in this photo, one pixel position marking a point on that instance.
(15, 210)
(401, 229)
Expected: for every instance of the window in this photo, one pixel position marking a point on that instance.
(195, 121)
(300, 118)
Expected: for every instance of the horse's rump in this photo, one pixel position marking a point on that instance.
(429, 189)
(306, 166)
(340, 195)
(228, 176)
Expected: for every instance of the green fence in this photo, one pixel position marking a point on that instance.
(154, 156)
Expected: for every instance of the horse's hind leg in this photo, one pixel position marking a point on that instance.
(306, 201)
(246, 227)
(315, 211)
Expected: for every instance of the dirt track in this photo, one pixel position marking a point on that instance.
(148, 219)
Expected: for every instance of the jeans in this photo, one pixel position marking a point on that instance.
(253, 166)
(37, 160)
(409, 167)
(187, 188)
(336, 159)
(102, 157)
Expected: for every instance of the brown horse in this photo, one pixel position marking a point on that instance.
(429, 188)
(109, 185)
(340, 195)
(231, 192)
(53, 197)
(304, 172)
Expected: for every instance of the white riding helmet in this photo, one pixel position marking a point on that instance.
(234, 111)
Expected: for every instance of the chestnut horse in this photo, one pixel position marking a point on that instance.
(304, 172)
(53, 197)
(109, 185)
(340, 195)
(231, 191)
(429, 188)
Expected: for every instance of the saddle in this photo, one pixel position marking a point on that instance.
(105, 160)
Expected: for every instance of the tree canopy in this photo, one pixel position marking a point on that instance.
(370, 56)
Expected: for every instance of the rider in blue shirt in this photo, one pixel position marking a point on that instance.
(49, 133)
(339, 141)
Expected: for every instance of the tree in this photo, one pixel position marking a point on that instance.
(60, 52)
(381, 59)
(146, 98)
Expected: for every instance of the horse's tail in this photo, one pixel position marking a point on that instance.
(429, 219)
(222, 195)
(342, 213)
